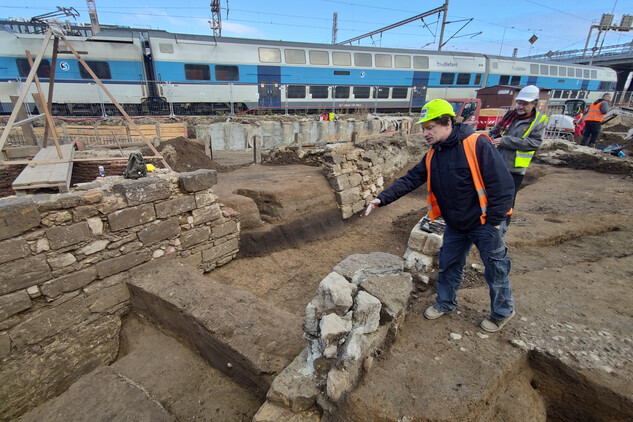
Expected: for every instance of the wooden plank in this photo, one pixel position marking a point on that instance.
(55, 175)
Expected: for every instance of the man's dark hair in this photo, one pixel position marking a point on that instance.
(444, 119)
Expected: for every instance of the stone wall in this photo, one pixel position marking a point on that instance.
(64, 261)
(7, 175)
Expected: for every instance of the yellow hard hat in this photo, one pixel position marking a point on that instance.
(150, 167)
(434, 109)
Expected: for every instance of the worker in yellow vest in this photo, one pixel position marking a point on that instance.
(520, 133)
(470, 187)
(593, 120)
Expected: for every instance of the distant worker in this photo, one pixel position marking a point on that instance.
(520, 133)
(594, 118)
(579, 122)
(469, 185)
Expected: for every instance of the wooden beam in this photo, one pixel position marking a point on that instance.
(114, 101)
(51, 83)
(74, 160)
(49, 118)
(25, 89)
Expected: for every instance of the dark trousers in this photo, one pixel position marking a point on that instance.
(592, 130)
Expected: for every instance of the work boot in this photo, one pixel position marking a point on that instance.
(493, 325)
(433, 313)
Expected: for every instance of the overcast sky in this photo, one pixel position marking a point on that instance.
(497, 27)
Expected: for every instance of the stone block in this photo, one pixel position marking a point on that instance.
(417, 238)
(205, 198)
(62, 236)
(108, 298)
(58, 201)
(393, 291)
(366, 313)
(272, 413)
(94, 247)
(57, 218)
(70, 282)
(13, 249)
(332, 329)
(226, 248)
(159, 231)
(111, 203)
(227, 228)
(338, 383)
(130, 217)
(198, 180)
(433, 245)
(416, 261)
(60, 261)
(346, 212)
(34, 292)
(143, 190)
(5, 345)
(355, 347)
(334, 295)
(358, 267)
(13, 303)
(355, 179)
(23, 273)
(348, 196)
(122, 263)
(50, 322)
(295, 388)
(195, 236)
(175, 206)
(206, 214)
(85, 211)
(96, 225)
(340, 183)
(17, 215)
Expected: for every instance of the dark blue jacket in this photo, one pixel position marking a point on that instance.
(452, 182)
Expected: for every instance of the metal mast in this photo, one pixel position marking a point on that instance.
(94, 19)
(216, 18)
(334, 27)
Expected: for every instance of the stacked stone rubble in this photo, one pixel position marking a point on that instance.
(423, 249)
(64, 260)
(346, 323)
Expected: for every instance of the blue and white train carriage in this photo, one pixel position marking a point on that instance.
(156, 71)
(115, 57)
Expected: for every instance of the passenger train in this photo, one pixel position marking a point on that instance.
(152, 71)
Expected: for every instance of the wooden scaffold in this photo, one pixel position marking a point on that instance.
(52, 166)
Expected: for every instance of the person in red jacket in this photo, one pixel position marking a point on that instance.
(471, 188)
(579, 122)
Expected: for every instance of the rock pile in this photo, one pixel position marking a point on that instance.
(346, 324)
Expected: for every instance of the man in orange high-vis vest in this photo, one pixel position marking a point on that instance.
(470, 187)
(593, 120)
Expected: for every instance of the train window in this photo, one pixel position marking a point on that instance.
(381, 92)
(544, 69)
(296, 91)
(447, 78)
(534, 69)
(399, 92)
(565, 94)
(573, 94)
(341, 72)
(44, 71)
(383, 60)
(556, 94)
(478, 79)
(581, 95)
(340, 58)
(463, 78)
(570, 71)
(516, 80)
(101, 69)
(585, 73)
(361, 92)
(263, 89)
(420, 62)
(341, 92)
(362, 59)
(166, 48)
(504, 80)
(295, 56)
(197, 72)
(269, 55)
(579, 73)
(403, 62)
(319, 57)
(275, 89)
(227, 73)
(594, 74)
(553, 70)
(318, 91)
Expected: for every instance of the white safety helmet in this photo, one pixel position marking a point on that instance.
(528, 93)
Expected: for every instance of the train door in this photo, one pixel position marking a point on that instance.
(418, 93)
(268, 80)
